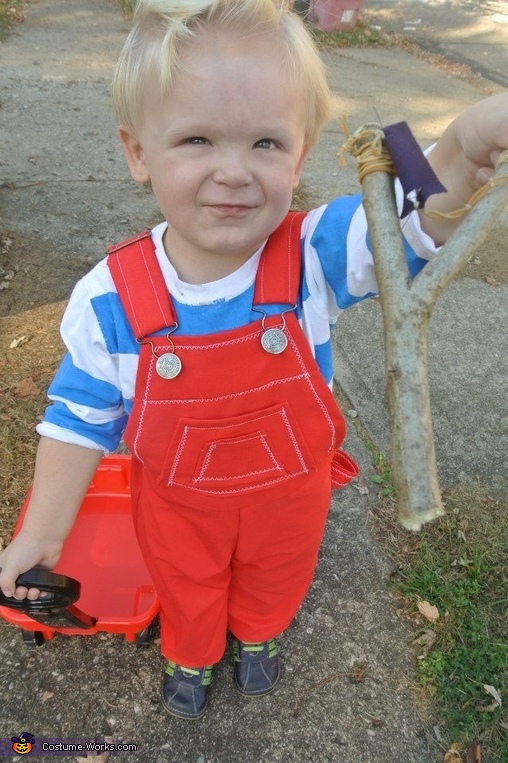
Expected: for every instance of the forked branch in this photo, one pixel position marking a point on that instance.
(406, 307)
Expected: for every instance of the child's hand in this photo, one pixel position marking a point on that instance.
(482, 132)
(464, 159)
(62, 475)
(22, 554)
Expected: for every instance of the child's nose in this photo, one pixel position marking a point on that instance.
(232, 169)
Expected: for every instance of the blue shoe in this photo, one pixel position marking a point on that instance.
(257, 667)
(185, 690)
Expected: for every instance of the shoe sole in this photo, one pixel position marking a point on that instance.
(257, 693)
(183, 717)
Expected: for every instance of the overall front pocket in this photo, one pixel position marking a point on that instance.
(237, 454)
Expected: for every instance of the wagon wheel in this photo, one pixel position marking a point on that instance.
(32, 639)
(145, 637)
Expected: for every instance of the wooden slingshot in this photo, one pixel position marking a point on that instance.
(406, 306)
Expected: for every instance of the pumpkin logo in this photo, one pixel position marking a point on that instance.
(23, 744)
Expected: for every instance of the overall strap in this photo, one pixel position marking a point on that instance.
(144, 294)
(140, 285)
(278, 276)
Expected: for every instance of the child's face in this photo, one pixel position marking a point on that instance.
(223, 152)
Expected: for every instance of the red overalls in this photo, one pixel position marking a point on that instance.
(234, 439)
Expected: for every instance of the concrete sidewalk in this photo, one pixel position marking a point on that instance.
(468, 358)
(474, 33)
(56, 128)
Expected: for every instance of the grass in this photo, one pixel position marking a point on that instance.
(11, 11)
(25, 373)
(383, 476)
(360, 36)
(459, 565)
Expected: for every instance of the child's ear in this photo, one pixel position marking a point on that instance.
(299, 166)
(135, 156)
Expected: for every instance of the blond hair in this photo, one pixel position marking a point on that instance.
(162, 28)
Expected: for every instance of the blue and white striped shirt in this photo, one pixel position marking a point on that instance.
(92, 391)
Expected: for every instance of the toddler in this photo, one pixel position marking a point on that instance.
(205, 342)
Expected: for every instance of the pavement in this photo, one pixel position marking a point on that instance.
(347, 692)
(469, 32)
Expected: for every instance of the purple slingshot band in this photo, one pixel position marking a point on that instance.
(416, 176)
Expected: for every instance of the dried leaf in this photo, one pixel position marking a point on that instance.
(26, 388)
(487, 708)
(493, 693)
(426, 641)
(474, 753)
(5, 244)
(437, 734)
(429, 611)
(18, 342)
(47, 695)
(453, 755)
(492, 281)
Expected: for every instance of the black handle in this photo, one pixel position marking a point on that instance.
(61, 591)
(56, 609)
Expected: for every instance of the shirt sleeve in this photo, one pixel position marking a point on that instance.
(338, 243)
(87, 404)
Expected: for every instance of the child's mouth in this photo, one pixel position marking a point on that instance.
(231, 210)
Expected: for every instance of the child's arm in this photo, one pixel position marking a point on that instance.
(62, 474)
(464, 159)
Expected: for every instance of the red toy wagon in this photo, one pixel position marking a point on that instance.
(101, 568)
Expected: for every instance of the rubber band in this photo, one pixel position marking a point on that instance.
(494, 182)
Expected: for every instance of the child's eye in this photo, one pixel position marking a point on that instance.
(196, 141)
(265, 143)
